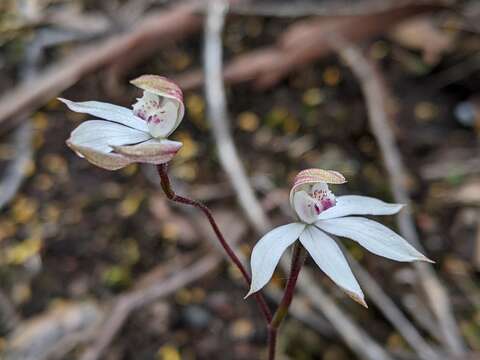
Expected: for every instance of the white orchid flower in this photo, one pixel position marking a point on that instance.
(319, 213)
(125, 136)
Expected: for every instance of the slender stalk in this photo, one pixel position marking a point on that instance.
(298, 258)
(272, 342)
(167, 189)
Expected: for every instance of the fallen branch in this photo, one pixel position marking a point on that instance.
(217, 113)
(376, 97)
(324, 8)
(304, 42)
(142, 297)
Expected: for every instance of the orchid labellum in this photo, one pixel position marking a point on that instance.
(320, 213)
(125, 136)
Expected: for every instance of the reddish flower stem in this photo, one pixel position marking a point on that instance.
(298, 258)
(167, 189)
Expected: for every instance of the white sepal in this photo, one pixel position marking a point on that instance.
(359, 205)
(373, 236)
(267, 253)
(108, 161)
(101, 135)
(109, 112)
(327, 255)
(152, 151)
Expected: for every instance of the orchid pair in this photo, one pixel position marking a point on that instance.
(125, 136)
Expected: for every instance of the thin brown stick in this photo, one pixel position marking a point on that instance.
(376, 97)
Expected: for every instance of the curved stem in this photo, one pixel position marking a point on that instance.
(167, 189)
(298, 258)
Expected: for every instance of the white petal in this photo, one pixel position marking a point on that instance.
(373, 236)
(101, 135)
(109, 112)
(109, 161)
(267, 252)
(359, 205)
(153, 151)
(327, 255)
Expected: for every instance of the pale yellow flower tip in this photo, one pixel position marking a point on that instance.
(426, 259)
(318, 175)
(159, 85)
(312, 176)
(355, 297)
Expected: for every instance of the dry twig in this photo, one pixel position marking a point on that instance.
(354, 336)
(219, 116)
(325, 8)
(376, 97)
(142, 297)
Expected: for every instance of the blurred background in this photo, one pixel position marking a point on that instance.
(98, 265)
